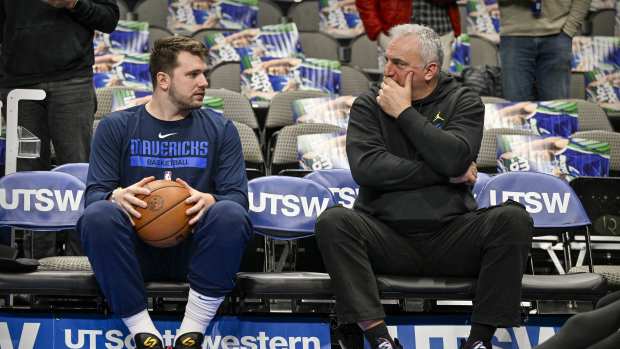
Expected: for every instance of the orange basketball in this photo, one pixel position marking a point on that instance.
(163, 222)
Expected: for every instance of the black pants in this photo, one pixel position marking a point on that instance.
(491, 244)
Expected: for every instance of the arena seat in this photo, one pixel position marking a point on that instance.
(79, 170)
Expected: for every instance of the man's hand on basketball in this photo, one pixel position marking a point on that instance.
(202, 202)
(127, 200)
(469, 177)
(393, 98)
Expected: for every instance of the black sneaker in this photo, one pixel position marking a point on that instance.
(189, 340)
(147, 341)
(384, 343)
(475, 345)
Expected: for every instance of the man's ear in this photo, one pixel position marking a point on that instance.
(163, 80)
(432, 69)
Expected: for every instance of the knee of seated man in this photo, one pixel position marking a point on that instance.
(229, 214)
(515, 221)
(331, 222)
(97, 215)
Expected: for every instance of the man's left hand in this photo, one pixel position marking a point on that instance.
(202, 202)
(68, 4)
(393, 98)
(469, 177)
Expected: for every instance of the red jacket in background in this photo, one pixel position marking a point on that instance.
(381, 15)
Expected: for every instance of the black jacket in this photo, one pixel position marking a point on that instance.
(403, 165)
(41, 43)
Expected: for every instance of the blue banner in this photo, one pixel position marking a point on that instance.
(74, 331)
(445, 332)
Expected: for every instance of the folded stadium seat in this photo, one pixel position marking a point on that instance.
(153, 11)
(226, 75)
(284, 144)
(123, 10)
(491, 99)
(483, 52)
(591, 116)
(252, 154)
(285, 222)
(601, 22)
(550, 201)
(613, 139)
(105, 99)
(487, 156)
(353, 81)
(577, 85)
(365, 55)
(319, 45)
(281, 108)
(305, 15)
(269, 13)
(156, 33)
(236, 106)
(202, 33)
(600, 197)
(78, 170)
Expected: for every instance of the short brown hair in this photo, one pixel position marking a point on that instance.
(165, 51)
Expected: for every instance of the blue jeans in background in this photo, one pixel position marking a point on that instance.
(536, 68)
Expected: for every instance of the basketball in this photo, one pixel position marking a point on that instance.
(163, 222)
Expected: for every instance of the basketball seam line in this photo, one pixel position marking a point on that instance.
(152, 220)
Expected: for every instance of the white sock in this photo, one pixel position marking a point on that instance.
(198, 313)
(141, 323)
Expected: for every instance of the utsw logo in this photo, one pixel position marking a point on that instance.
(288, 205)
(534, 202)
(43, 200)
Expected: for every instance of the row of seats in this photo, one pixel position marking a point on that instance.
(71, 276)
(272, 154)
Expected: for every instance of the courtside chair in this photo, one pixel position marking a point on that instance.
(487, 156)
(550, 201)
(353, 81)
(600, 197)
(491, 99)
(364, 53)
(252, 154)
(283, 223)
(610, 137)
(483, 52)
(601, 23)
(153, 11)
(284, 144)
(591, 116)
(268, 13)
(78, 170)
(156, 33)
(319, 45)
(236, 107)
(305, 15)
(281, 108)
(226, 75)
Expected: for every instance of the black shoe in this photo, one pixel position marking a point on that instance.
(189, 340)
(147, 341)
(384, 343)
(475, 345)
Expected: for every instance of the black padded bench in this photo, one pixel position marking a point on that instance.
(71, 276)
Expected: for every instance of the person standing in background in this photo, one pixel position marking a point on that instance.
(440, 15)
(48, 45)
(536, 47)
